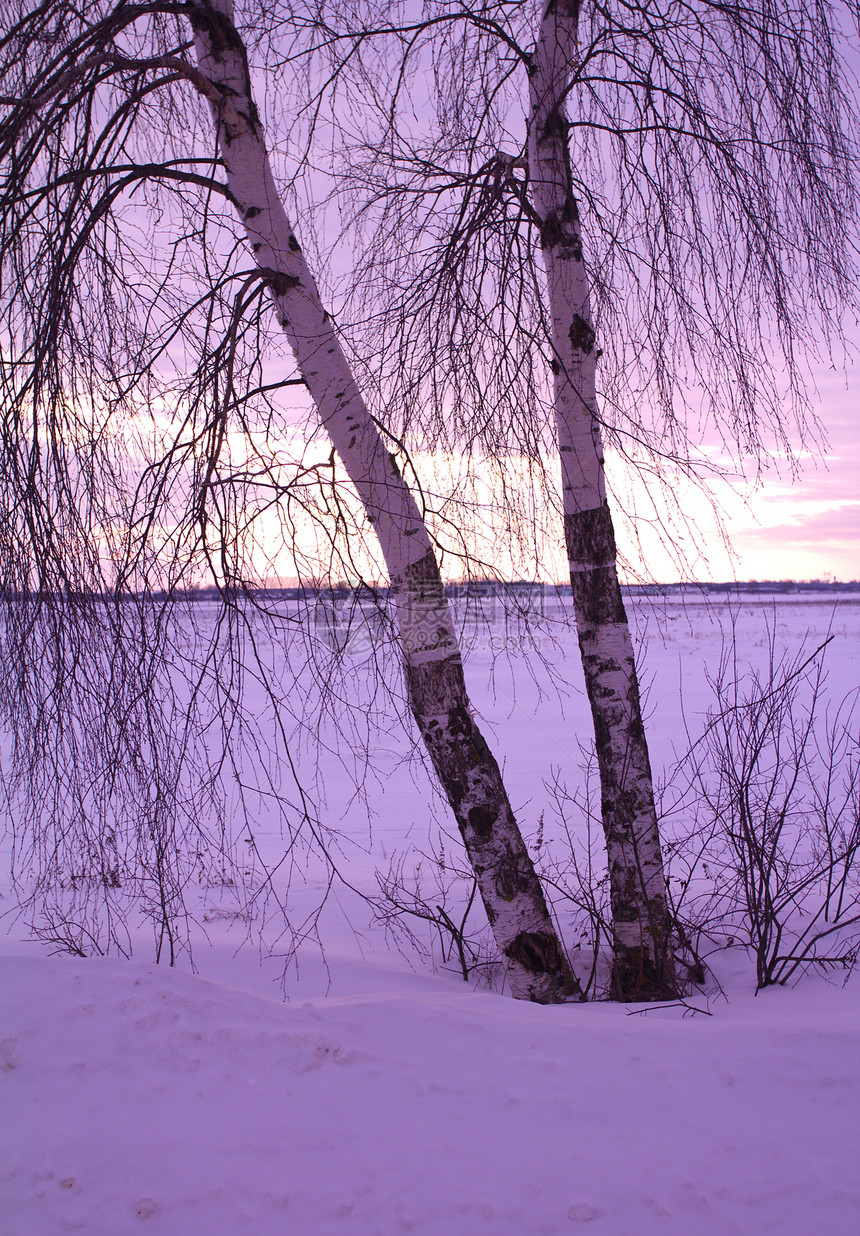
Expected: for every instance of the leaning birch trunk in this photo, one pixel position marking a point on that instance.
(643, 963)
(537, 967)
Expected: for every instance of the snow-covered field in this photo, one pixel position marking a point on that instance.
(385, 1095)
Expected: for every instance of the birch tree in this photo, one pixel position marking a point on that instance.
(685, 175)
(639, 900)
(78, 100)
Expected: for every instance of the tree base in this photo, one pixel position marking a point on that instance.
(637, 977)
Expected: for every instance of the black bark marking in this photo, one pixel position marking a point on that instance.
(561, 229)
(582, 335)
(481, 820)
(590, 539)
(512, 877)
(278, 282)
(220, 32)
(294, 245)
(536, 952)
(556, 126)
(552, 232)
(252, 212)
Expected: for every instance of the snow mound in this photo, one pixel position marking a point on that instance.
(147, 1096)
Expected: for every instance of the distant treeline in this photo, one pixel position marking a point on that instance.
(462, 590)
(788, 586)
(492, 587)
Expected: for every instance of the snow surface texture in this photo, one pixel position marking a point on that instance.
(383, 1099)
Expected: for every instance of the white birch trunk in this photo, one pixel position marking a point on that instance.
(469, 774)
(643, 957)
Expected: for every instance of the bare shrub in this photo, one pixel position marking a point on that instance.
(573, 869)
(766, 854)
(428, 886)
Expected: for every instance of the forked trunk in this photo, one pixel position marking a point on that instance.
(643, 962)
(470, 776)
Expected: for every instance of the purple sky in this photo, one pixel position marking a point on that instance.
(811, 527)
(807, 527)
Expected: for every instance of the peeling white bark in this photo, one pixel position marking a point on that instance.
(643, 965)
(538, 969)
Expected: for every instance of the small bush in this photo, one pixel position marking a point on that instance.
(767, 848)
